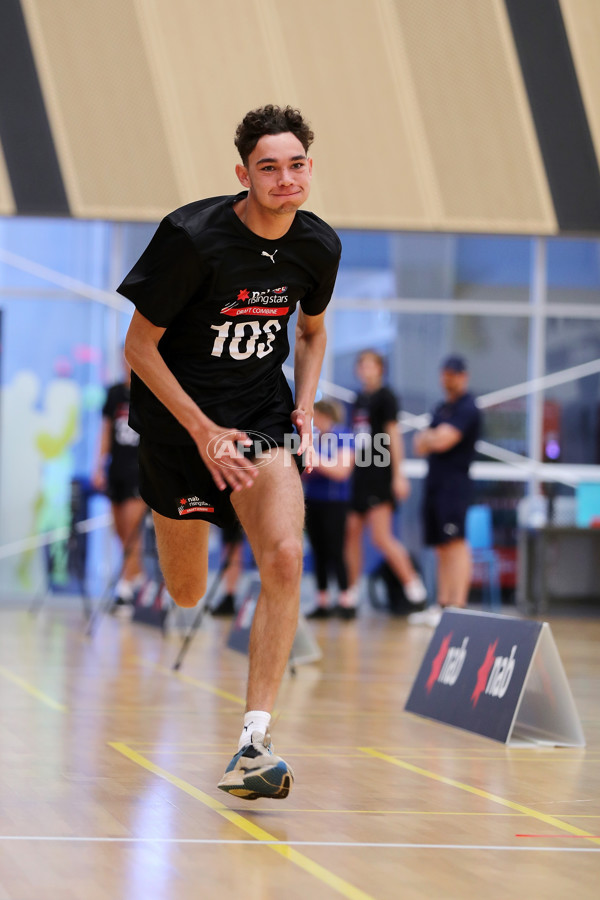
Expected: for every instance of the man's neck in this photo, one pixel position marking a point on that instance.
(453, 396)
(264, 223)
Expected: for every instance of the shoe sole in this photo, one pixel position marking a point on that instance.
(274, 783)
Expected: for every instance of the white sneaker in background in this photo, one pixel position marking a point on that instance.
(429, 617)
(415, 591)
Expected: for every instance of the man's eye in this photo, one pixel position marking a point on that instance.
(267, 168)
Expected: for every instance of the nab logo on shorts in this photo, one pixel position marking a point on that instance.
(187, 505)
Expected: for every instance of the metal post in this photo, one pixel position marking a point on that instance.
(537, 356)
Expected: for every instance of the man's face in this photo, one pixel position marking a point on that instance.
(454, 383)
(278, 173)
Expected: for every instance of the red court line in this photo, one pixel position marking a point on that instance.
(558, 835)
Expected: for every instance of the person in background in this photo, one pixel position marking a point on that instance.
(449, 445)
(327, 494)
(378, 483)
(232, 553)
(116, 475)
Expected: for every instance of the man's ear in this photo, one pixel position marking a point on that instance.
(242, 174)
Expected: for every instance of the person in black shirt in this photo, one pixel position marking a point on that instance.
(116, 474)
(378, 482)
(449, 445)
(214, 292)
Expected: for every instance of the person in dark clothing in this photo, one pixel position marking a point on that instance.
(449, 445)
(116, 474)
(214, 292)
(327, 495)
(232, 553)
(378, 483)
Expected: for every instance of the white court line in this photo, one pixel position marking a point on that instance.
(257, 843)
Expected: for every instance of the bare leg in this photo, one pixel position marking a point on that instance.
(380, 521)
(355, 524)
(127, 517)
(234, 567)
(454, 573)
(183, 557)
(272, 515)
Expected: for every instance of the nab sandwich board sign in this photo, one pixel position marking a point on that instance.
(499, 677)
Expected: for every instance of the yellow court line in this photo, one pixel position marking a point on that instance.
(543, 817)
(396, 812)
(234, 698)
(259, 834)
(33, 691)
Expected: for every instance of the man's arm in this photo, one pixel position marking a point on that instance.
(99, 473)
(400, 484)
(141, 352)
(436, 440)
(311, 339)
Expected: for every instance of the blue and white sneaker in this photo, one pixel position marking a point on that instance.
(256, 772)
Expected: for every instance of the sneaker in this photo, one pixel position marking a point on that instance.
(121, 607)
(320, 612)
(256, 772)
(415, 591)
(345, 612)
(430, 617)
(225, 608)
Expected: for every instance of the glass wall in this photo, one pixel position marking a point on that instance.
(413, 297)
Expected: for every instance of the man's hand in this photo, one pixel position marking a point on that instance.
(223, 457)
(304, 426)
(400, 487)
(420, 442)
(99, 479)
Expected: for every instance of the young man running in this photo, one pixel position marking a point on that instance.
(214, 291)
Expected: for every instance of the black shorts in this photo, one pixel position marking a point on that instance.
(444, 514)
(371, 488)
(176, 484)
(122, 486)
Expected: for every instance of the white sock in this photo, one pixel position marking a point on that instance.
(254, 720)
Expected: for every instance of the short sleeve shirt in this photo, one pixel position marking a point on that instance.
(317, 486)
(225, 296)
(452, 466)
(370, 415)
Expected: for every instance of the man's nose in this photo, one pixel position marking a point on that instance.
(286, 176)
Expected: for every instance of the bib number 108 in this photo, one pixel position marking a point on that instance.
(247, 338)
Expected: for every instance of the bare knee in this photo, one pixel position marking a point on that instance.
(283, 562)
(186, 592)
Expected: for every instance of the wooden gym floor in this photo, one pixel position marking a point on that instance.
(109, 764)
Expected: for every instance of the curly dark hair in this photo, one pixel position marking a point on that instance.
(270, 120)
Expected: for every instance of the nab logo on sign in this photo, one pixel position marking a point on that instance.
(447, 663)
(494, 683)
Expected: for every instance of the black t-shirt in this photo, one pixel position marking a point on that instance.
(225, 296)
(370, 414)
(452, 467)
(124, 440)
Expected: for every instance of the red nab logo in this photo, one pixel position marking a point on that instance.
(437, 662)
(494, 674)
(243, 295)
(280, 290)
(447, 664)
